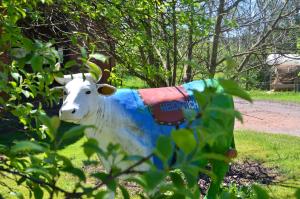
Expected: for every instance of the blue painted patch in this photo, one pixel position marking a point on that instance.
(130, 101)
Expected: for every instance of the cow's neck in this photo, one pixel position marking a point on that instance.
(100, 117)
(104, 120)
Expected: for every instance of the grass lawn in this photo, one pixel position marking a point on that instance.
(133, 82)
(281, 151)
(275, 96)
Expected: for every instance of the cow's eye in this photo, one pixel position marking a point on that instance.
(88, 92)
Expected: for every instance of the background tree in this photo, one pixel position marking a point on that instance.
(168, 42)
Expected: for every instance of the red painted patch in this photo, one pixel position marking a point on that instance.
(165, 103)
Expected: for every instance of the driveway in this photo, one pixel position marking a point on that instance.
(269, 116)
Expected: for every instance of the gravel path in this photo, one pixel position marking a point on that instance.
(269, 116)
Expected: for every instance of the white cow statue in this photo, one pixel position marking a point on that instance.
(132, 118)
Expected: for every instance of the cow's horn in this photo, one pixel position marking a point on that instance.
(56, 88)
(64, 80)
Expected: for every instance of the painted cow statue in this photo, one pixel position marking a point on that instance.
(133, 118)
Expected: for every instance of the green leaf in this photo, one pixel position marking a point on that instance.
(101, 194)
(16, 76)
(99, 57)
(21, 11)
(74, 39)
(227, 195)
(228, 112)
(52, 124)
(41, 171)
(105, 178)
(74, 133)
(27, 94)
(164, 148)
(138, 180)
(38, 192)
(185, 140)
(124, 192)
(19, 195)
(70, 63)
(37, 63)
(55, 122)
(297, 193)
(230, 62)
(177, 179)
(83, 52)
(94, 69)
(27, 146)
(75, 171)
(100, 175)
(152, 178)
(28, 44)
(201, 97)
(112, 185)
(66, 161)
(191, 179)
(232, 88)
(91, 146)
(179, 195)
(260, 192)
(21, 180)
(3, 148)
(238, 116)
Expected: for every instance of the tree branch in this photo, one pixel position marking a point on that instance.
(124, 172)
(262, 39)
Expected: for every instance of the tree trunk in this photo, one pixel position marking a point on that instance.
(216, 37)
(150, 49)
(188, 76)
(166, 39)
(174, 23)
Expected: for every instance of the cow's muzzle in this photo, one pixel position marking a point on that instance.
(68, 114)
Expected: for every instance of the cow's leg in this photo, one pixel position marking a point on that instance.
(106, 165)
(219, 168)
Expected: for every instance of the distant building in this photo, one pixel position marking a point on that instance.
(285, 71)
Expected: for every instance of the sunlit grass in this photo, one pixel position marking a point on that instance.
(280, 151)
(275, 96)
(133, 82)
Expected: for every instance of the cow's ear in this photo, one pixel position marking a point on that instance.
(105, 89)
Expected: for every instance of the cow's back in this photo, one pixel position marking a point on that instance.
(149, 109)
(156, 111)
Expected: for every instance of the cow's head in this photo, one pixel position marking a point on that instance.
(81, 96)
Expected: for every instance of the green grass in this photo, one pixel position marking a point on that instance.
(133, 82)
(280, 151)
(275, 96)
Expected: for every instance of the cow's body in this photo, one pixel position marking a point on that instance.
(136, 118)
(132, 123)
(132, 118)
